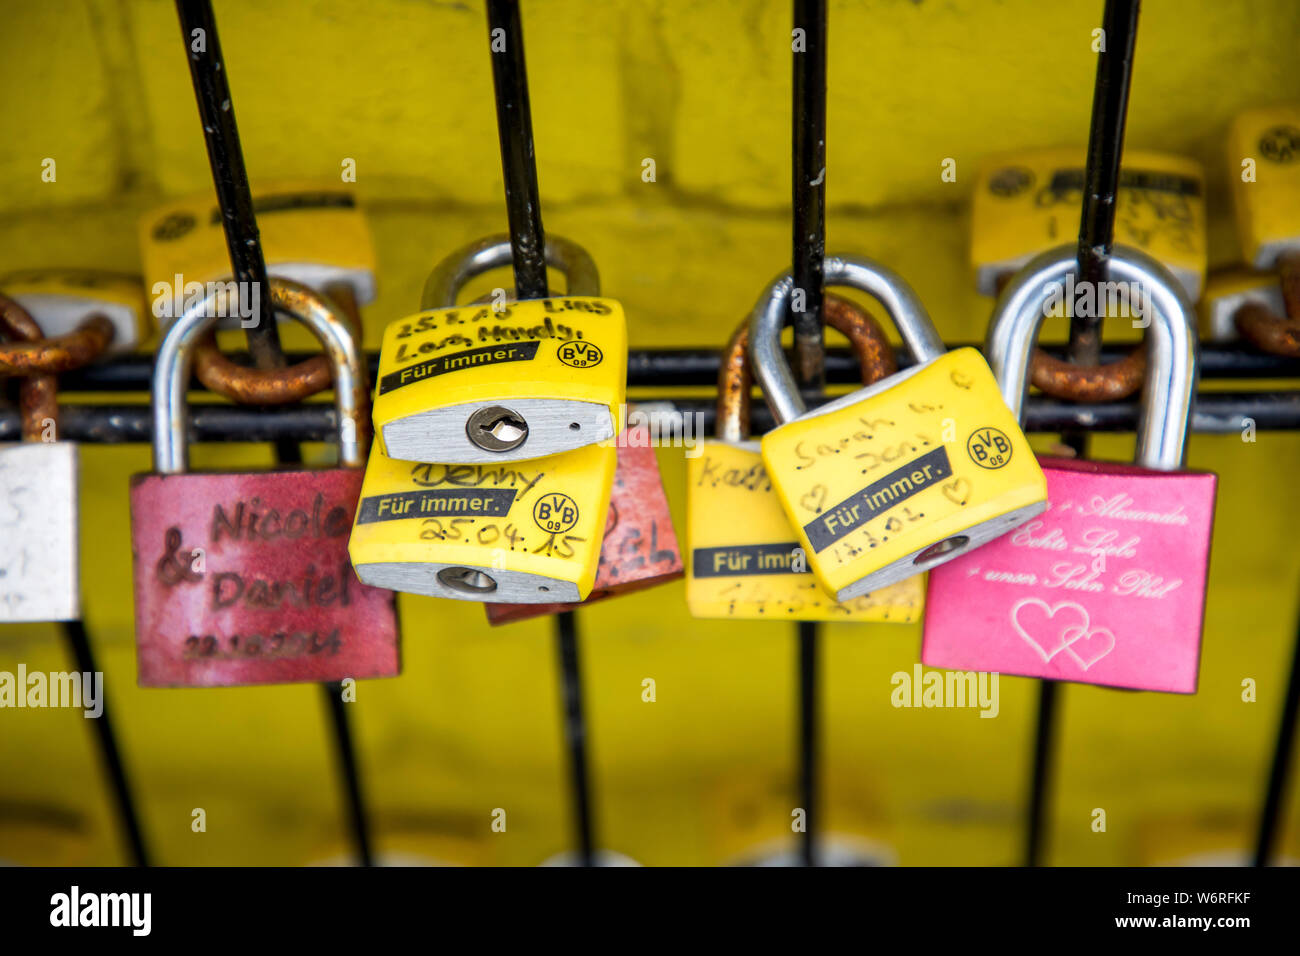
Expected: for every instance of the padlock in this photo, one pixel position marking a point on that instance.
(1108, 587)
(901, 476)
(526, 532)
(61, 300)
(503, 381)
(1228, 292)
(1025, 202)
(1263, 159)
(39, 570)
(744, 560)
(639, 548)
(245, 578)
(313, 233)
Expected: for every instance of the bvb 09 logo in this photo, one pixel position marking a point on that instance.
(555, 512)
(579, 354)
(989, 448)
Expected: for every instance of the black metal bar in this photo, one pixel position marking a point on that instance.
(212, 91)
(808, 136)
(74, 632)
(239, 222)
(1270, 818)
(679, 367)
(575, 733)
(808, 749)
(1216, 413)
(518, 158)
(1040, 772)
(1101, 173)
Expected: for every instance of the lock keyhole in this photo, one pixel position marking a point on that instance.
(467, 580)
(496, 428)
(945, 547)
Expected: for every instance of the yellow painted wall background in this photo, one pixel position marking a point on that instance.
(706, 772)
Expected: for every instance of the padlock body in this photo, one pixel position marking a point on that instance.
(559, 364)
(61, 299)
(1267, 204)
(39, 571)
(245, 579)
(742, 560)
(639, 547)
(1027, 202)
(898, 477)
(524, 532)
(1106, 587)
(311, 232)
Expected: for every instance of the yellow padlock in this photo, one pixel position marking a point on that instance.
(524, 532)
(901, 476)
(311, 232)
(1264, 169)
(1027, 202)
(61, 299)
(744, 560)
(503, 381)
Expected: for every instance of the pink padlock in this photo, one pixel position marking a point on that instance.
(1108, 585)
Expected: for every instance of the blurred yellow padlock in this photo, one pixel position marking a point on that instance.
(61, 299)
(313, 233)
(1029, 201)
(1264, 170)
(525, 532)
(503, 381)
(901, 476)
(744, 560)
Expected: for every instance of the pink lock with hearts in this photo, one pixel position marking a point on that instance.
(1107, 586)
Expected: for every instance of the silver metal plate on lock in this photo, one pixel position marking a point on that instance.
(61, 314)
(468, 583)
(39, 573)
(933, 555)
(1221, 312)
(443, 434)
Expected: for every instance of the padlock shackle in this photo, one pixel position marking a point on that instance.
(483, 255)
(1169, 387)
(175, 359)
(38, 393)
(766, 321)
(870, 347)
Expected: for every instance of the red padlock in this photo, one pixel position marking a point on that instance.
(245, 578)
(639, 549)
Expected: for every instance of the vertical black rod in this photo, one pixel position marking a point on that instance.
(226, 158)
(518, 157)
(808, 135)
(808, 739)
(212, 90)
(808, 199)
(528, 249)
(74, 632)
(575, 733)
(1270, 818)
(1096, 237)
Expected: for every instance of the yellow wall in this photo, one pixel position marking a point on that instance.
(702, 88)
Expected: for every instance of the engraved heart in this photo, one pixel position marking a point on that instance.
(814, 500)
(1042, 630)
(1087, 647)
(957, 491)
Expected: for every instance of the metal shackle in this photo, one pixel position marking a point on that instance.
(483, 255)
(1171, 343)
(870, 347)
(900, 301)
(38, 398)
(171, 377)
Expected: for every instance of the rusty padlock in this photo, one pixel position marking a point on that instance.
(744, 560)
(245, 578)
(1108, 586)
(39, 567)
(639, 549)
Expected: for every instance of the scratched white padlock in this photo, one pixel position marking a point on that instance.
(39, 579)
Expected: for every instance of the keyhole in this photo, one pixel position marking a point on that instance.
(945, 547)
(467, 580)
(496, 428)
